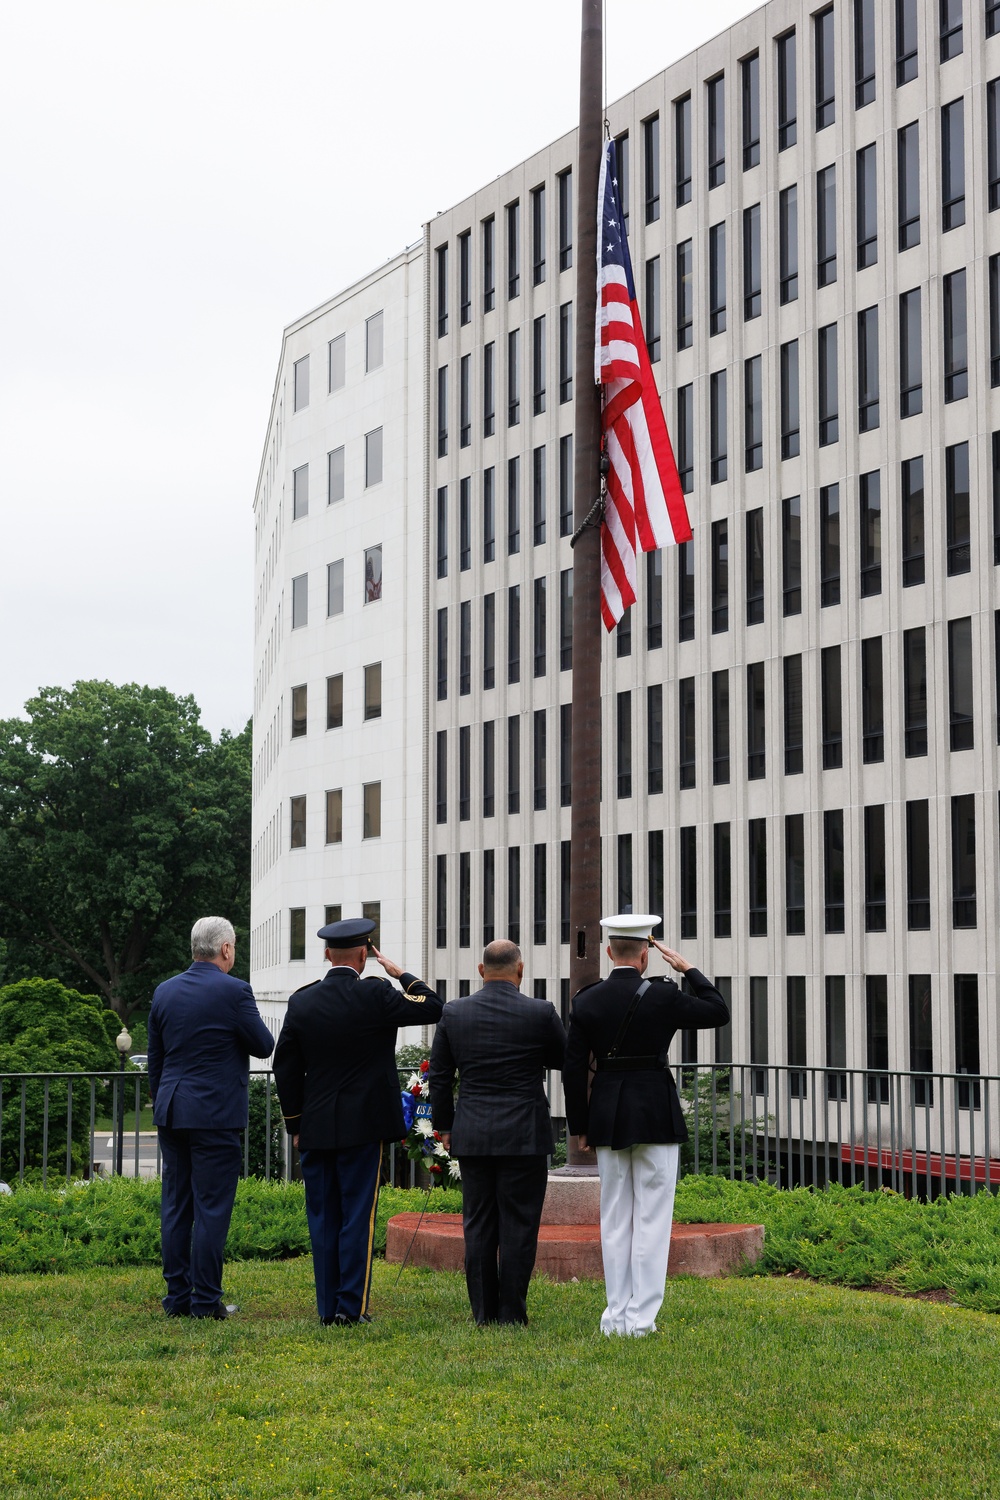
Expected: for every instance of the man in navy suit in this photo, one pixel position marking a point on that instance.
(500, 1042)
(204, 1026)
(335, 1068)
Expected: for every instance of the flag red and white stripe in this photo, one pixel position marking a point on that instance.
(644, 503)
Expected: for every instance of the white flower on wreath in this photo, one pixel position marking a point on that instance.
(423, 1126)
(440, 1149)
(454, 1170)
(412, 1082)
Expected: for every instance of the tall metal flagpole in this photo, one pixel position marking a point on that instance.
(585, 822)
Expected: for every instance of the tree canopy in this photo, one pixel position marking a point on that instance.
(121, 823)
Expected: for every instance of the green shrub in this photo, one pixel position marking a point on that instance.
(259, 1164)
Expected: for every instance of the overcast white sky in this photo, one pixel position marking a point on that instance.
(179, 179)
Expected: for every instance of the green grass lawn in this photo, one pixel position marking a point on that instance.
(106, 1123)
(764, 1388)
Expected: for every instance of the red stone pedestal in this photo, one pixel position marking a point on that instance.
(568, 1251)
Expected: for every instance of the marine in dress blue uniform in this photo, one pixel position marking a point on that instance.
(204, 1026)
(335, 1069)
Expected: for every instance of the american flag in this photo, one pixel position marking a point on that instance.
(644, 497)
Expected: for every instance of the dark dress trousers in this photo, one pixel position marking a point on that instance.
(335, 1068)
(500, 1042)
(204, 1026)
(634, 1099)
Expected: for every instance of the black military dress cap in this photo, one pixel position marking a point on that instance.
(348, 934)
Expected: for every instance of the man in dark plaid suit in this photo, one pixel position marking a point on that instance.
(500, 1042)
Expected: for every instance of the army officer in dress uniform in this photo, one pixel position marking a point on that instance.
(633, 1117)
(335, 1068)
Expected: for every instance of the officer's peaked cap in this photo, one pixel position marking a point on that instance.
(348, 934)
(637, 925)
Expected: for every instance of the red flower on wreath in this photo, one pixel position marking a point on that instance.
(425, 1066)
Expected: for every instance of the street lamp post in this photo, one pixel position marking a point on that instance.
(124, 1044)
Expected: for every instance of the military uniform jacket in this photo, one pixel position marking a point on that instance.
(335, 1062)
(632, 1107)
(501, 1042)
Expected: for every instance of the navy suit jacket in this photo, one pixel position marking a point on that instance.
(501, 1042)
(204, 1026)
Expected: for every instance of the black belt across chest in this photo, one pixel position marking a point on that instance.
(654, 1063)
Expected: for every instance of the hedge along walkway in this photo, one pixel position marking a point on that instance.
(841, 1235)
(753, 1390)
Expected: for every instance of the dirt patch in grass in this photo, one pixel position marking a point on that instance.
(932, 1294)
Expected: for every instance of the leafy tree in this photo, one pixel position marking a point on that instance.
(121, 822)
(46, 1028)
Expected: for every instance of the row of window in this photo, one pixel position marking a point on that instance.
(372, 701)
(512, 520)
(539, 381)
(370, 910)
(371, 822)
(336, 362)
(336, 474)
(335, 587)
(539, 653)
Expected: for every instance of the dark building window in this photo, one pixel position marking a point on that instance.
(969, 1094)
(565, 353)
(538, 235)
(465, 277)
(442, 290)
(514, 763)
(953, 164)
(538, 496)
(915, 691)
(960, 720)
(489, 768)
(464, 525)
(825, 68)
(751, 262)
(872, 701)
(442, 531)
(513, 505)
(441, 780)
(795, 874)
(335, 701)
(298, 823)
(720, 576)
(832, 713)
(833, 870)
(442, 654)
(875, 868)
(720, 727)
(514, 895)
(959, 519)
(685, 437)
(686, 731)
(654, 738)
(755, 566)
(538, 759)
(956, 347)
(836, 1036)
(826, 226)
(908, 185)
(864, 53)
(566, 479)
(489, 515)
(489, 641)
(912, 491)
(789, 397)
(513, 216)
(565, 754)
(623, 744)
(993, 142)
(685, 591)
(513, 377)
(566, 619)
(489, 263)
(685, 295)
(994, 294)
(717, 432)
(870, 517)
(867, 207)
(911, 378)
(877, 1037)
(651, 167)
(791, 555)
(992, 17)
(951, 28)
(441, 903)
(826, 352)
(793, 713)
(623, 155)
(829, 545)
(442, 410)
(722, 865)
(717, 279)
(788, 245)
(514, 633)
(300, 711)
(489, 390)
(750, 81)
(565, 869)
(868, 381)
(565, 185)
(682, 150)
(540, 906)
(654, 600)
(787, 108)
(906, 41)
(753, 414)
(758, 1034)
(653, 308)
(963, 861)
(689, 881)
(795, 1031)
(538, 382)
(757, 872)
(655, 861)
(539, 627)
(464, 773)
(465, 647)
(465, 401)
(921, 1038)
(624, 852)
(756, 722)
(489, 895)
(716, 131)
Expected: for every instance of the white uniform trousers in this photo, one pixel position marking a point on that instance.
(637, 1209)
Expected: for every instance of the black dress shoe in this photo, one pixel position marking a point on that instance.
(343, 1320)
(221, 1310)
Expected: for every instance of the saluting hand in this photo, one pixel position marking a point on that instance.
(393, 970)
(675, 960)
